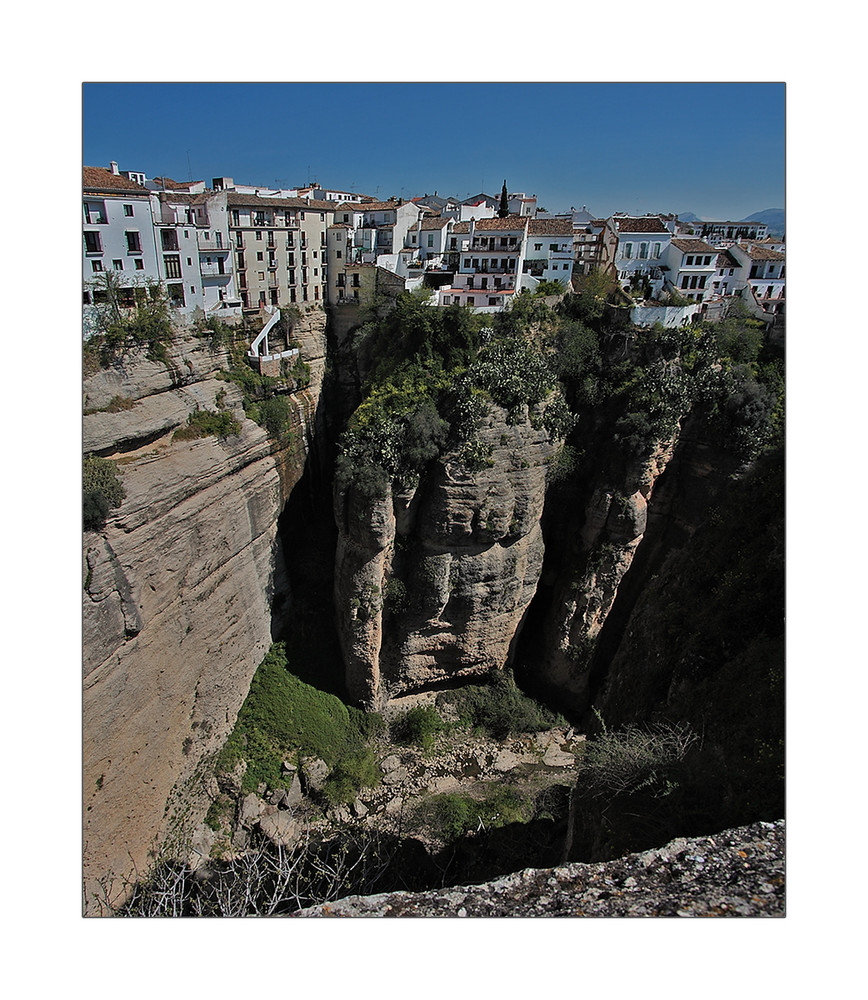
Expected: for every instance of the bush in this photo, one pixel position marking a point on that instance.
(634, 759)
(101, 489)
(454, 815)
(275, 415)
(500, 708)
(419, 724)
(201, 423)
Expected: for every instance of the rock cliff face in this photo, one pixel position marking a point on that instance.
(179, 589)
(432, 584)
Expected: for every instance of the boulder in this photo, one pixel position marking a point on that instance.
(314, 773)
(250, 809)
(281, 828)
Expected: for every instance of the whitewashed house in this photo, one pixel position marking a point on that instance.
(690, 268)
(490, 263)
(643, 243)
(549, 255)
(766, 274)
(117, 235)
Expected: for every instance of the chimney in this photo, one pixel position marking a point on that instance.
(114, 167)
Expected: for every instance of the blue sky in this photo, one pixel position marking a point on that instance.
(713, 149)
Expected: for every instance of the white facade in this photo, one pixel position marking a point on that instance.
(117, 237)
(766, 273)
(643, 244)
(549, 253)
(490, 264)
(692, 265)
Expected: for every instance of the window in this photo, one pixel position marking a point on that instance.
(467, 262)
(643, 251)
(684, 281)
(85, 298)
(236, 220)
(134, 244)
(118, 265)
(173, 268)
(259, 234)
(140, 264)
(446, 299)
(338, 254)
(471, 300)
(628, 250)
(96, 266)
(292, 295)
(694, 281)
(260, 255)
(176, 294)
(554, 267)
(537, 246)
(169, 239)
(128, 210)
(92, 243)
(492, 301)
(703, 280)
(688, 261)
(346, 218)
(657, 249)
(315, 255)
(189, 262)
(430, 239)
(316, 291)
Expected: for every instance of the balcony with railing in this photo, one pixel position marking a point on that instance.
(212, 270)
(213, 245)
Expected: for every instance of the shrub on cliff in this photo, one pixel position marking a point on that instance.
(202, 423)
(102, 490)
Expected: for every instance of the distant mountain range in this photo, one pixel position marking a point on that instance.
(774, 218)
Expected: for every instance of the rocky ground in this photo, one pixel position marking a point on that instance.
(735, 873)
(460, 761)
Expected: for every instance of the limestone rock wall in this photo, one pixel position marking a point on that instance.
(432, 584)
(614, 524)
(178, 592)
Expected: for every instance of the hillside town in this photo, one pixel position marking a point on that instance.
(233, 250)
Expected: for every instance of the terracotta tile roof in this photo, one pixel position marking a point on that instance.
(510, 222)
(235, 198)
(385, 206)
(726, 259)
(763, 253)
(170, 185)
(435, 222)
(182, 198)
(340, 225)
(693, 246)
(100, 179)
(461, 227)
(647, 224)
(550, 227)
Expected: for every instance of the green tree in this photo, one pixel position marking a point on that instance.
(503, 211)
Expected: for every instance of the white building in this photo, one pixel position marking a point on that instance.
(691, 266)
(766, 273)
(549, 254)
(642, 245)
(118, 233)
(490, 263)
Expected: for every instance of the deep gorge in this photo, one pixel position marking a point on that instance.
(597, 509)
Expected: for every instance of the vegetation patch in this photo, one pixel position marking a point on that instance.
(102, 490)
(203, 423)
(284, 718)
(419, 726)
(500, 708)
(454, 815)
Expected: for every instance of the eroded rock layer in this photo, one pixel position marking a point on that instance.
(432, 584)
(179, 590)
